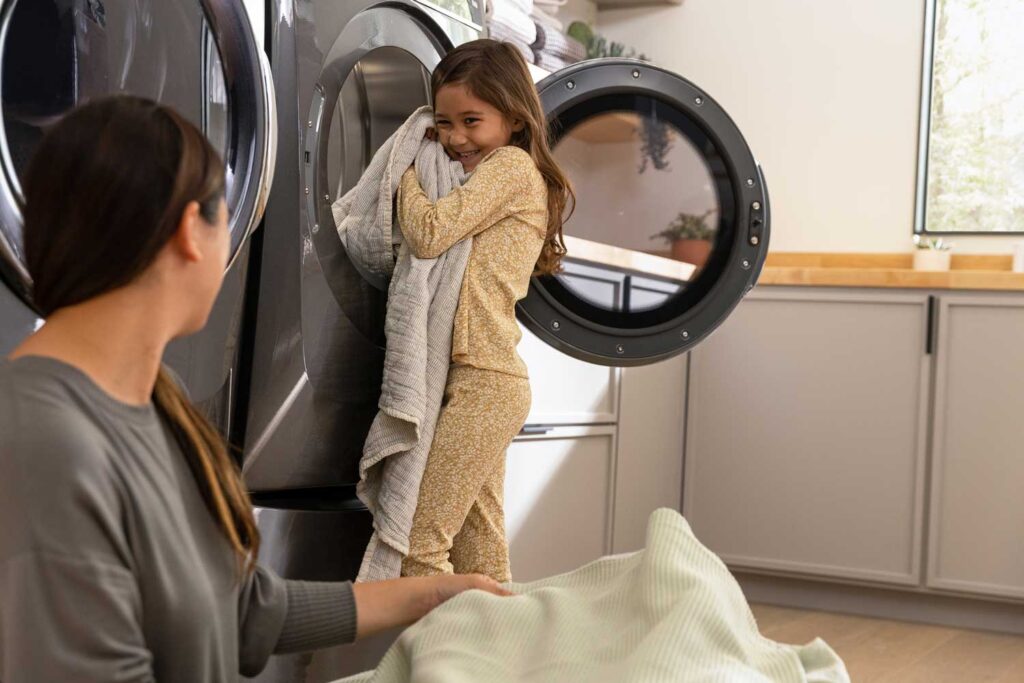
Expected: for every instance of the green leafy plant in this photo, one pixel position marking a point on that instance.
(599, 46)
(687, 226)
(655, 142)
(932, 243)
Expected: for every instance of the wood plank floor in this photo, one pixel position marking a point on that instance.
(882, 651)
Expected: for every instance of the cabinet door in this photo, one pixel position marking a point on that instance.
(976, 539)
(558, 499)
(649, 472)
(566, 390)
(806, 434)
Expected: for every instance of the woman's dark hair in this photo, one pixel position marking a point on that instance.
(104, 192)
(497, 74)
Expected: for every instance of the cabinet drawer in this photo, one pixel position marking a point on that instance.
(558, 499)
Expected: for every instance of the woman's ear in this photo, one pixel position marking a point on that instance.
(186, 237)
(517, 125)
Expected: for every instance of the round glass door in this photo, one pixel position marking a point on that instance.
(364, 93)
(198, 57)
(671, 220)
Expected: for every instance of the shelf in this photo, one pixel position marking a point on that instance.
(624, 4)
(628, 259)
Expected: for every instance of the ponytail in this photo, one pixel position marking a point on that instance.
(212, 467)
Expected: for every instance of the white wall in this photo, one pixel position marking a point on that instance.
(827, 93)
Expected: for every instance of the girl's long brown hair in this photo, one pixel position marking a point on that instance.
(497, 74)
(104, 192)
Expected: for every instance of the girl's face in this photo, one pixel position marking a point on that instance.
(469, 128)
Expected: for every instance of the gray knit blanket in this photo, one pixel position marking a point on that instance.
(422, 297)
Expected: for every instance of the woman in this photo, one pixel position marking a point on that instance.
(127, 540)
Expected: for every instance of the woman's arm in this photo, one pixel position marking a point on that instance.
(381, 605)
(491, 194)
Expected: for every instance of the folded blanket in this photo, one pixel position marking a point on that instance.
(542, 15)
(422, 298)
(524, 6)
(548, 61)
(669, 613)
(558, 44)
(507, 21)
(523, 48)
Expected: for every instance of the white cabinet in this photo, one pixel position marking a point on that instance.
(649, 466)
(566, 390)
(559, 488)
(976, 529)
(806, 434)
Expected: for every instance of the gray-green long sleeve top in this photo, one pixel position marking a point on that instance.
(111, 566)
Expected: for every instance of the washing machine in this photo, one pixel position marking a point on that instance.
(200, 57)
(647, 151)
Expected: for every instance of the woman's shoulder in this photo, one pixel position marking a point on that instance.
(55, 462)
(44, 423)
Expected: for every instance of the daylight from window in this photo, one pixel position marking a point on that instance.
(975, 158)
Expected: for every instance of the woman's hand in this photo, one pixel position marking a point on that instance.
(381, 605)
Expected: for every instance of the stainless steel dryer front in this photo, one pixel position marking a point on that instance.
(199, 56)
(347, 74)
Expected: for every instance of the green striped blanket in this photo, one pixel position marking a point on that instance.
(671, 612)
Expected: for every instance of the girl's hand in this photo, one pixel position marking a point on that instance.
(431, 134)
(381, 605)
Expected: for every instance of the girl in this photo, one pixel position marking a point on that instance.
(488, 116)
(127, 541)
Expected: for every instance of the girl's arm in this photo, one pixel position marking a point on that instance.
(491, 194)
(381, 605)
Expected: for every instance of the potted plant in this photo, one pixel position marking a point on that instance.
(689, 237)
(932, 253)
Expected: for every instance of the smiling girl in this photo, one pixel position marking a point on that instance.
(488, 116)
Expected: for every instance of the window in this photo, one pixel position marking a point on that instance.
(971, 173)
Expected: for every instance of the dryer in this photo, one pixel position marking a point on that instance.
(642, 146)
(347, 74)
(199, 56)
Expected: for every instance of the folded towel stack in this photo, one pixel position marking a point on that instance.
(544, 13)
(509, 21)
(552, 49)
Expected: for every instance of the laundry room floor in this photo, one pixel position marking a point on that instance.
(883, 651)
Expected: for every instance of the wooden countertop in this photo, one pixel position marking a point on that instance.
(968, 271)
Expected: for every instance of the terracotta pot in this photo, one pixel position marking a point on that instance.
(691, 251)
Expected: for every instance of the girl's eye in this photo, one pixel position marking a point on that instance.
(440, 124)
(470, 121)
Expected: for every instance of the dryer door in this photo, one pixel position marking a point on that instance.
(349, 77)
(198, 56)
(671, 222)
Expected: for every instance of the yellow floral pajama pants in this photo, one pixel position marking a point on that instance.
(459, 525)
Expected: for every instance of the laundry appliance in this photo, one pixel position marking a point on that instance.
(644, 148)
(198, 56)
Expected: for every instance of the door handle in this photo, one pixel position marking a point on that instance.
(534, 430)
